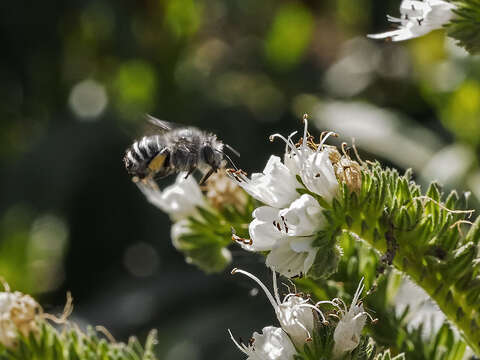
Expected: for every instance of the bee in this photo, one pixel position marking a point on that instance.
(174, 149)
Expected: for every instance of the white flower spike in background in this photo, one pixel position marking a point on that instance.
(418, 18)
(272, 344)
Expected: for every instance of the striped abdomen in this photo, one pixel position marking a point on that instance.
(139, 156)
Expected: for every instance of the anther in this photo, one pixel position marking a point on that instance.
(344, 149)
(237, 238)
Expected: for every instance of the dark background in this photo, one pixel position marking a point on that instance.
(76, 78)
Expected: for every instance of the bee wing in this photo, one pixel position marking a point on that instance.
(163, 125)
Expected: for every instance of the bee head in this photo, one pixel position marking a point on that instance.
(212, 153)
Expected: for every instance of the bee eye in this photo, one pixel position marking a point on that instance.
(208, 154)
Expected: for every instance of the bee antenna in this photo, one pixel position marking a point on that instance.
(235, 152)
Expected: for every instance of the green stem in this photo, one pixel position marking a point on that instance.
(407, 259)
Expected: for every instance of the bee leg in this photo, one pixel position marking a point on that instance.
(192, 169)
(207, 175)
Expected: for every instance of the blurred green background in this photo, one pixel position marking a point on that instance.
(76, 78)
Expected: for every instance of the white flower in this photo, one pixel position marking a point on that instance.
(179, 200)
(314, 166)
(272, 344)
(294, 313)
(277, 185)
(418, 18)
(17, 316)
(288, 225)
(349, 328)
(288, 234)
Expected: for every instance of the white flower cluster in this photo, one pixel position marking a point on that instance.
(18, 314)
(181, 200)
(418, 18)
(298, 318)
(288, 223)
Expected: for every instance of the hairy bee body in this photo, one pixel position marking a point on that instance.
(177, 150)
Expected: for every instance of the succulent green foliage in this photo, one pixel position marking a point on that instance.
(73, 344)
(321, 348)
(390, 331)
(465, 27)
(211, 232)
(418, 234)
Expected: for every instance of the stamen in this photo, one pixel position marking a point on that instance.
(330, 133)
(341, 302)
(459, 228)
(324, 320)
(358, 292)
(257, 280)
(344, 149)
(242, 349)
(334, 315)
(469, 212)
(239, 239)
(305, 130)
(104, 331)
(356, 152)
(329, 303)
(373, 320)
(288, 142)
(309, 336)
(284, 223)
(275, 288)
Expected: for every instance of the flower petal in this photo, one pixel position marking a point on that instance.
(275, 187)
(178, 200)
(287, 262)
(304, 216)
(273, 344)
(262, 229)
(318, 175)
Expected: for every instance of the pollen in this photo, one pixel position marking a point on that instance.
(346, 169)
(222, 192)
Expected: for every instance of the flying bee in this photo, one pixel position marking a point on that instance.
(174, 149)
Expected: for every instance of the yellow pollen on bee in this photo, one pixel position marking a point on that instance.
(157, 162)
